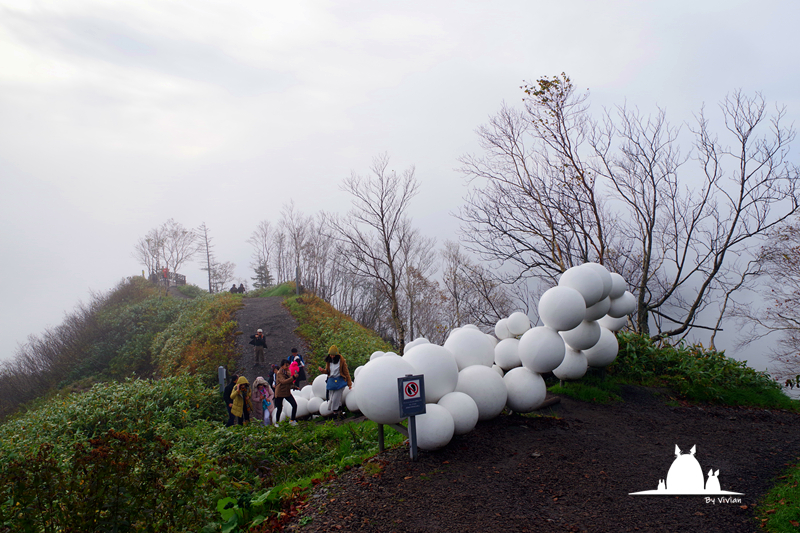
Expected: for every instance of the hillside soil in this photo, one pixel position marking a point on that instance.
(569, 469)
(278, 325)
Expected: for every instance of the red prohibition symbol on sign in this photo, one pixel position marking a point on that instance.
(412, 389)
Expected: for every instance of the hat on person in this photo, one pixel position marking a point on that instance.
(333, 350)
(259, 331)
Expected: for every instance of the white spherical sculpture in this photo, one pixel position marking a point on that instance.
(526, 390)
(622, 306)
(302, 408)
(313, 404)
(613, 324)
(463, 409)
(573, 367)
(435, 428)
(377, 388)
(376, 354)
(584, 336)
(541, 350)
(486, 387)
(506, 354)
(470, 347)
(584, 280)
(416, 342)
(318, 386)
(499, 370)
(562, 308)
(598, 310)
(501, 329)
(357, 371)
(325, 409)
(604, 352)
(439, 367)
(604, 274)
(518, 323)
(351, 402)
(308, 392)
(618, 285)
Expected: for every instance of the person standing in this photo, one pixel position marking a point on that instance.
(226, 397)
(241, 402)
(259, 343)
(284, 392)
(296, 357)
(261, 400)
(338, 378)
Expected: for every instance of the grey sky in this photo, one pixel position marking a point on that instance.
(115, 116)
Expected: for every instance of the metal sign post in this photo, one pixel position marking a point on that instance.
(411, 392)
(222, 374)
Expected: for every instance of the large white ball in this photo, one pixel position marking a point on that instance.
(308, 392)
(438, 366)
(470, 347)
(501, 329)
(622, 306)
(377, 388)
(598, 310)
(434, 428)
(613, 324)
(302, 408)
(562, 308)
(376, 354)
(526, 390)
(313, 404)
(518, 323)
(463, 409)
(541, 350)
(351, 402)
(416, 342)
(499, 370)
(584, 336)
(604, 352)
(584, 280)
(492, 340)
(506, 354)
(486, 387)
(357, 371)
(573, 367)
(618, 285)
(318, 385)
(604, 274)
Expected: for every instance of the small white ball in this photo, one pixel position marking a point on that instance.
(308, 392)
(622, 306)
(416, 342)
(324, 409)
(463, 409)
(501, 329)
(318, 385)
(377, 388)
(584, 336)
(601, 271)
(356, 371)
(486, 387)
(541, 350)
(586, 281)
(618, 285)
(506, 354)
(470, 326)
(604, 352)
(302, 408)
(613, 324)
(518, 323)
(352, 401)
(526, 390)
(598, 310)
(438, 366)
(499, 370)
(562, 308)
(313, 404)
(492, 340)
(470, 347)
(573, 367)
(377, 354)
(435, 428)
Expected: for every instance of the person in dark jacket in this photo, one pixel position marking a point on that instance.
(284, 392)
(260, 344)
(226, 397)
(241, 288)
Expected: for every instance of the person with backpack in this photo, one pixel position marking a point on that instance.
(283, 391)
(296, 357)
(338, 379)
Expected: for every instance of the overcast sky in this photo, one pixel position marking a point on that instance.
(115, 116)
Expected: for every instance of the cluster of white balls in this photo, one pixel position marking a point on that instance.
(474, 376)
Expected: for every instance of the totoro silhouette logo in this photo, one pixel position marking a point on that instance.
(685, 478)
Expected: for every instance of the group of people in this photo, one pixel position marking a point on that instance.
(267, 395)
(237, 290)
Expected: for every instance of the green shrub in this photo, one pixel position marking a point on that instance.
(191, 291)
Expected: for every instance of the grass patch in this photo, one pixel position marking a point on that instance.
(593, 388)
(779, 510)
(284, 289)
(191, 291)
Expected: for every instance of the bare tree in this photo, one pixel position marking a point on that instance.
(560, 189)
(377, 229)
(169, 246)
(263, 242)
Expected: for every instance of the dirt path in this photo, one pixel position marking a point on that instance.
(571, 472)
(278, 325)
